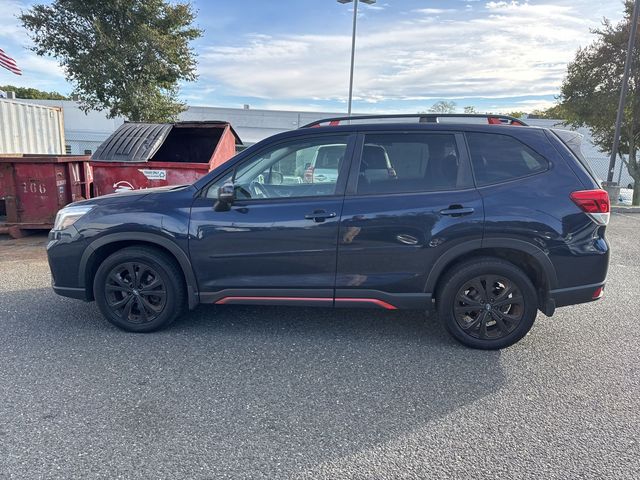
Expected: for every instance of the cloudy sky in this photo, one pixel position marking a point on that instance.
(294, 54)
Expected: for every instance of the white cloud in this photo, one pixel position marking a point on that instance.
(514, 49)
(37, 72)
(503, 4)
(10, 28)
(434, 11)
(492, 5)
(375, 6)
(523, 105)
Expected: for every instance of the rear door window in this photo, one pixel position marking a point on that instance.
(410, 162)
(499, 158)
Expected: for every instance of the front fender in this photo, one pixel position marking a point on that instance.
(144, 237)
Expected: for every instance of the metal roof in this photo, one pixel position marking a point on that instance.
(133, 142)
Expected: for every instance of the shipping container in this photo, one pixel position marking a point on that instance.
(27, 128)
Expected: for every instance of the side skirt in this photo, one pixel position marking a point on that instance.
(319, 298)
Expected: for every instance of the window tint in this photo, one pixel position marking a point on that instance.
(497, 158)
(303, 168)
(408, 162)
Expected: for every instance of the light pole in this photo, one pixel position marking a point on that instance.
(353, 43)
(623, 91)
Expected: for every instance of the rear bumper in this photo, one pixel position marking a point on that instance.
(582, 294)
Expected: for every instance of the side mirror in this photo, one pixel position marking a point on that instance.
(226, 196)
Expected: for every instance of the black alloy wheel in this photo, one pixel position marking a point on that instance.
(135, 292)
(489, 307)
(140, 289)
(487, 303)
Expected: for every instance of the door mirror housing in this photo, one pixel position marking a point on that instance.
(226, 196)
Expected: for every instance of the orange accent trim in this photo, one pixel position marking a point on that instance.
(375, 301)
(225, 300)
(380, 303)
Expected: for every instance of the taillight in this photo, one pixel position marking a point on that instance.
(594, 203)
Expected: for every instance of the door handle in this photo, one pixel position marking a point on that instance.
(457, 211)
(320, 215)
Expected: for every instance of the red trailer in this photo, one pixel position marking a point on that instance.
(145, 155)
(34, 187)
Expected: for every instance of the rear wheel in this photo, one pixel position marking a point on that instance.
(487, 303)
(139, 289)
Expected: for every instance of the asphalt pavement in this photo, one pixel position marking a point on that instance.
(282, 392)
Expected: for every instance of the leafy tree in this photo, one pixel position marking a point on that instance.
(591, 89)
(443, 106)
(32, 93)
(517, 114)
(557, 112)
(471, 110)
(123, 56)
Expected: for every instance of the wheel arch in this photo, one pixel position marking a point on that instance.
(531, 259)
(104, 246)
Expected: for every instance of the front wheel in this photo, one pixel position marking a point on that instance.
(487, 303)
(139, 289)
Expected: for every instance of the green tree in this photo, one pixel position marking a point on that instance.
(443, 106)
(32, 93)
(126, 57)
(592, 86)
(471, 110)
(517, 114)
(556, 112)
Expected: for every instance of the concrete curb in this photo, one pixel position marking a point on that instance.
(624, 209)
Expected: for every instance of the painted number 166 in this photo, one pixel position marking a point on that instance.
(34, 187)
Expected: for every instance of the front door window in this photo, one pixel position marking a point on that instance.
(302, 168)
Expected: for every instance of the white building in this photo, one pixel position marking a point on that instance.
(85, 131)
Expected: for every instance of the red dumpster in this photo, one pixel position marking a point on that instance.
(145, 155)
(34, 187)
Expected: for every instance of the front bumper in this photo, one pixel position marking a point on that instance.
(64, 252)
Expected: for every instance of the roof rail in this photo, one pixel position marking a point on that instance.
(420, 118)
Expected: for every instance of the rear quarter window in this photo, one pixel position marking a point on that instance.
(499, 158)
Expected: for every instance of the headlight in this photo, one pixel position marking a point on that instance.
(70, 215)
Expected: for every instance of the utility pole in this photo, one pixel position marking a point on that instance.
(628, 64)
(353, 43)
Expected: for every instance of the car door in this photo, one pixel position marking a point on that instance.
(277, 241)
(410, 199)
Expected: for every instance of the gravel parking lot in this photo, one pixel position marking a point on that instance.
(270, 392)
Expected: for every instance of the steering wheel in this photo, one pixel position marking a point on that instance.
(258, 189)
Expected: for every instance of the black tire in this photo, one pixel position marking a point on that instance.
(139, 289)
(487, 303)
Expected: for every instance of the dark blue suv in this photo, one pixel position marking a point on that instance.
(481, 218)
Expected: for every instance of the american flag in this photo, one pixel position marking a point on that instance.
(9, 63)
